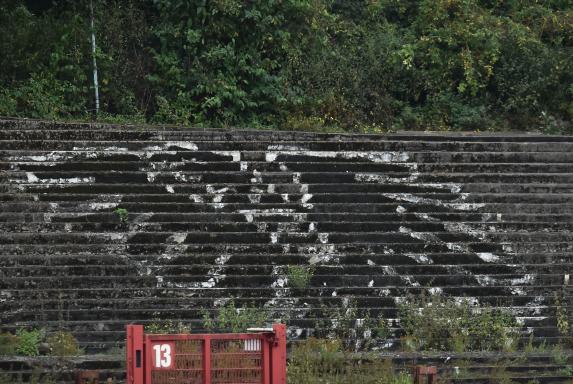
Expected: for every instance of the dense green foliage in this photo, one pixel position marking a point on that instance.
(360, 65)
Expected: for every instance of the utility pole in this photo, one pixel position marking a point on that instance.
(96, 86)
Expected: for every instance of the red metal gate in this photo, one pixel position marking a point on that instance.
(237, 358)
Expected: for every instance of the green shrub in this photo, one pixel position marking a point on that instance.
(28, 342)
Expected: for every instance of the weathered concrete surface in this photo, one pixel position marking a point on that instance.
(216, 214)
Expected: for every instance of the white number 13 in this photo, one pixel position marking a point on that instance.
(162, 355)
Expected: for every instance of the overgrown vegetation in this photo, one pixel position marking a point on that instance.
(356, 330)
(324, 361)
(432, 322)
(34, 342)
(299, 276)
(235, 319)
(326, 65)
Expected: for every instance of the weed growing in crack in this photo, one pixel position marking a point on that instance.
(299, 276)
(122, 214)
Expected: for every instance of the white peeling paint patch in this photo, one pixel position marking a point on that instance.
(52, 156)
(209, 283)
(274, 237)
(384, 292)
(527, 279)
(31, 177)
(370, 262)
(305, 198)
(271, 188)
(485, 280)
(159, 281)
(115, 149)
(244, 166)
(179, 144)
(436, 291)
(101, 206)
(466, 229)
(255, 198)
(371, 284)
(257, 177)
(384, 179)
(508, 248)
(420, 258)
(518, 291)
(177, 238)
(270, 157)
(376, 157)
(151, 176)
(296, 178)
(196, 198)
(323, 237)
(282, 147)
(456, 247)
(262, 227)
(169, 188)
(285, 197)
(116, 236)
(334, 294)
(312, 227)
(488, 257)
(425, 236)
(401, 209)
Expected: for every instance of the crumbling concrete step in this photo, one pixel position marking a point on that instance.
(220, 166)
(271, 226)
(225, 217)
(440, 180)
(10, 140)
(429, 157)
(303, 249)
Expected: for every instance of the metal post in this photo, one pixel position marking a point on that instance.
(278, 355)
(96, 85)
(135, 354)
(207, 360)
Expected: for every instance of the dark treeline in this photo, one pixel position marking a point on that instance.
(355, 65)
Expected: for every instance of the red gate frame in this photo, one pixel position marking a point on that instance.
(273, 345)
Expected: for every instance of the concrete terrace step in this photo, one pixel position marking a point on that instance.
(402, 235)
(410, 158)
(302, 226)
(226, 166)
(400, 192)
(10, 140)
(440, 180)
(224, 217)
